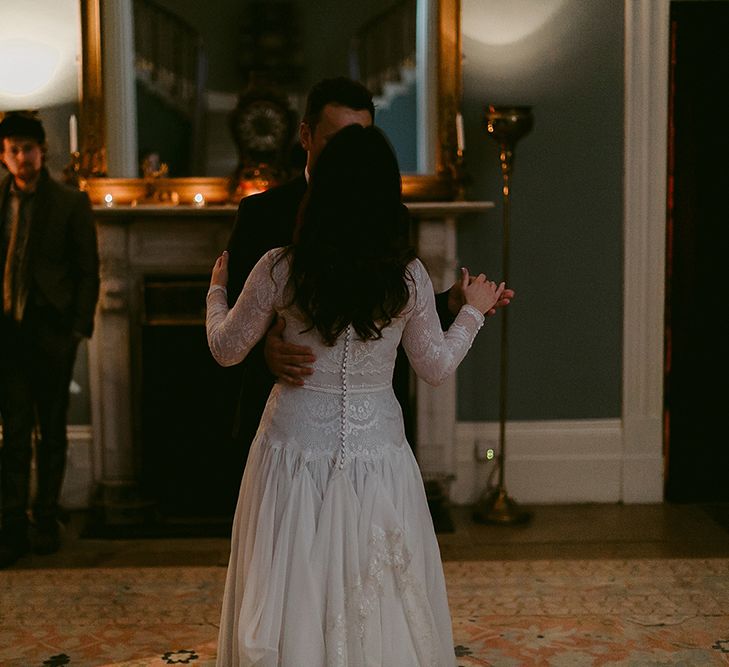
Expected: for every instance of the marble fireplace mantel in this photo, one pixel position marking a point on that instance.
(135, 242)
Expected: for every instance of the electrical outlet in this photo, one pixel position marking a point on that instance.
(485, 450)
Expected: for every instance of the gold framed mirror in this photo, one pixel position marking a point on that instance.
(443, 184)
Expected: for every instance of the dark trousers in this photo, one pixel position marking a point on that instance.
(35, 373)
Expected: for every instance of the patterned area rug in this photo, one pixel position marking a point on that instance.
(637, 613)
(608, 613)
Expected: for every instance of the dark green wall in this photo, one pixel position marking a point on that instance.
(565, 326)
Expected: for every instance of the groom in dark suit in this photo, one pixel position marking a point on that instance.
(49, 280)
(267, 221)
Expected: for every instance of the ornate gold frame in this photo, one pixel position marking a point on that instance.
(443, 185)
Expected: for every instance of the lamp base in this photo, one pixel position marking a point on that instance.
(495, 507)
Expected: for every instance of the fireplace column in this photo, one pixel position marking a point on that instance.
(109, 363)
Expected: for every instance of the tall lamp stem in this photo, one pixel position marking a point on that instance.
(505, 157)
(506, 125)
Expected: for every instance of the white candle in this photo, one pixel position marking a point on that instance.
(73, 133)
(460, 140)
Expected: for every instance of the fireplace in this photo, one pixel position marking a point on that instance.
(190, 466)
(162, 452)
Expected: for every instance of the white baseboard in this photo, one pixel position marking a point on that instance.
(78, 483)
(547, 462)
(557, 462)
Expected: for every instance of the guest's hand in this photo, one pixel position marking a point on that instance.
(456, 296)
(480, 292)
(220, 270)
(288, 362)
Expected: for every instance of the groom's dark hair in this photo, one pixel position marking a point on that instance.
(341, 91)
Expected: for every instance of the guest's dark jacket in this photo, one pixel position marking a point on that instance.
(63, 259)
(265, 221)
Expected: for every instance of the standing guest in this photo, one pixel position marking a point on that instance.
(334, 558)
(49, 282)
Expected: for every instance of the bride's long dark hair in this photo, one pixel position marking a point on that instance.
(351, 246)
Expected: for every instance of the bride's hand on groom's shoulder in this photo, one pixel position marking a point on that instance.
(220, 270)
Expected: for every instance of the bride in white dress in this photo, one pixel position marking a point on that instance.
(334, 561)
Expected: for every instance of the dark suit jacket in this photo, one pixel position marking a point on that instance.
(263, 222)
(63, 258)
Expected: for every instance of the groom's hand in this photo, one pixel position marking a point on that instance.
(288, 362)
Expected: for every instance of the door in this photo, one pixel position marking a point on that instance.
(697, 288)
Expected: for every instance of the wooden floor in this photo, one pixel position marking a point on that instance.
(589, 531)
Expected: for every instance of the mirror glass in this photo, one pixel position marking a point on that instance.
(40, 52)
(191, 64)
(153, 75)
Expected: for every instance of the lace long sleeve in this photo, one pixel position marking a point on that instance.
(233, 332)
(433, 354)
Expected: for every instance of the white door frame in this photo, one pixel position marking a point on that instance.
(645, 170)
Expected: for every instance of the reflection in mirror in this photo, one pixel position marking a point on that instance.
(189, 67)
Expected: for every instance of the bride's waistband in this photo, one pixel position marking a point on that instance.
(369, 389)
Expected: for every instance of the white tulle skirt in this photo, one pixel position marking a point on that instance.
(333, 566)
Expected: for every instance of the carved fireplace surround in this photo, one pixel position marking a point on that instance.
(136, 242)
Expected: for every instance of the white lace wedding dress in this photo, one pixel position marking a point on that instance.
(334, 561)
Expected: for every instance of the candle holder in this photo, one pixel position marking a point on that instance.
(459, 167)
(72, 171)
(459, 176)
(506, 125)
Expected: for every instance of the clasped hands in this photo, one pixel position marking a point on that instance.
(291, 363)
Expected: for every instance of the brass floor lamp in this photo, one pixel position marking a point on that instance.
(506, 125)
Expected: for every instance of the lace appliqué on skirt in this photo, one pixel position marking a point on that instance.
(388, 553)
